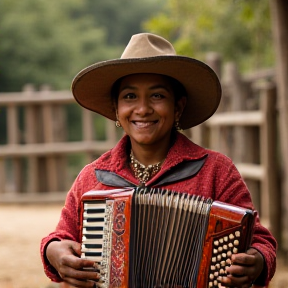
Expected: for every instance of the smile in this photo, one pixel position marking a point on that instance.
(145, 124)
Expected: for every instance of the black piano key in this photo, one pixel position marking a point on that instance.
(95, 210)
(93, 246)
(98, 219)
(89, 236)
(95, 228)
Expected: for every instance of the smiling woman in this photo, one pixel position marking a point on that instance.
(151, 93)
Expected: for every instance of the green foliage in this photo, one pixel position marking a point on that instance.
(238, 30)
(40, 43)
(122, 19)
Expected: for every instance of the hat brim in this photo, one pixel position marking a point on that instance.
(92, 86)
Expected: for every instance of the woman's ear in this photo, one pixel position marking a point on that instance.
(179, 107)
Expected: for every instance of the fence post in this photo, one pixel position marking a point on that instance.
(13, 139)
(2, 176)
(244, 146)
(201, 133)
(271, 197)
(30, 138)
(51, 174)
(88, 134)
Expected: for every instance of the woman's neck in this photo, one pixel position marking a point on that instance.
(150, 154)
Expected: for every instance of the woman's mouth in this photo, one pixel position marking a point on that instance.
(144, 124)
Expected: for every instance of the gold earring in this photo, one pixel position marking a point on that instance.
(177, 125)
(117, 124)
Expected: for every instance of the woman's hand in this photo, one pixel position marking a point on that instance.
(64, 257)
(245, 268)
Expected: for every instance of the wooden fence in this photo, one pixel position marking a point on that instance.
(36, 153)
(33, 162)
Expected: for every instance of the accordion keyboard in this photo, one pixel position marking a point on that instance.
(96, 238)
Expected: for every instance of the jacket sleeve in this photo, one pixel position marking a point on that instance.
(232, 189)
(69, 224)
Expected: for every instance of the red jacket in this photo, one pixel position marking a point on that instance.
(188, 168)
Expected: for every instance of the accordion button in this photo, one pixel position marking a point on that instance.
(222, 271)
(211, 276)
(226, 238)
(237, 233)
(220, 249)
(215, 251)
(219, 257)
(235, 250)
(221, 240)
(215, 282)
(224, 255)
(211, 284)
(216, 242)
(236, 242)
(230, 245)
(228, 261)
(225, 247)
(223, 263)
(231, 236)
(216, 274)
(212, 268)
(229, 253)
(213, 259)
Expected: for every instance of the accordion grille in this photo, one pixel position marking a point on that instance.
(170, 229)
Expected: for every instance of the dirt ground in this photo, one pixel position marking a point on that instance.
(21, 230)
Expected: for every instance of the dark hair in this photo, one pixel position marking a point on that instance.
(177, 87)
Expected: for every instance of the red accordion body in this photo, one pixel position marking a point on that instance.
(147, 237)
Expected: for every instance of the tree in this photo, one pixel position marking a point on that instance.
(122, 19)
(40, 43)
(238, 30)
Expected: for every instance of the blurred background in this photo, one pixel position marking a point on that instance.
(46, 138)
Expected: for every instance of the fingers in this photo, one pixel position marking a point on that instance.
(245, 269)
(64, 257)
(74, 267)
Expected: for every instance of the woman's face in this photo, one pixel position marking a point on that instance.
(146, 108)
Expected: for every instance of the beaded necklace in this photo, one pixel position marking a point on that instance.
(144, 173)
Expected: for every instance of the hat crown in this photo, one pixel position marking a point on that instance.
(147, 45)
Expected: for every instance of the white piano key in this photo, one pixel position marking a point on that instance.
(91, 241)
(94, 206)
(92, 232)
(94, 215)
(93, 224)
(84, 250)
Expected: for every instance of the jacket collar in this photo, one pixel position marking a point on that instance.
(184, 160)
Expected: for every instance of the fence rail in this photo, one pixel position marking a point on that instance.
(244, 128)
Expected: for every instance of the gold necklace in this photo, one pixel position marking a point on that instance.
(144, 173)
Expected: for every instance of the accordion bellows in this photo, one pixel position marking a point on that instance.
(152, 237)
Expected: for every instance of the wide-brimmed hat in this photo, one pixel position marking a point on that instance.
(149, 53)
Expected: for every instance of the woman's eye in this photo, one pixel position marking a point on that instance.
(157, 96)
(129, 96)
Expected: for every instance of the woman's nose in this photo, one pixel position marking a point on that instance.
(143, 107)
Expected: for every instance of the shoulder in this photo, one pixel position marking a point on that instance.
(186, 148)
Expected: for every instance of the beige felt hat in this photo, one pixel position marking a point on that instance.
(149, 53)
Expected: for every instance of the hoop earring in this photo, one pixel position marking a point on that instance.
(118, 124)
(177, 125)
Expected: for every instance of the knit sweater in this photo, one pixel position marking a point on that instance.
(215, 176)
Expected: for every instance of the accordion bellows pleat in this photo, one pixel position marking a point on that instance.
(148, 237)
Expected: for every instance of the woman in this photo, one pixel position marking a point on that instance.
(151, 92)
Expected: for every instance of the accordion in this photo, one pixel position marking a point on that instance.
(152, 237)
